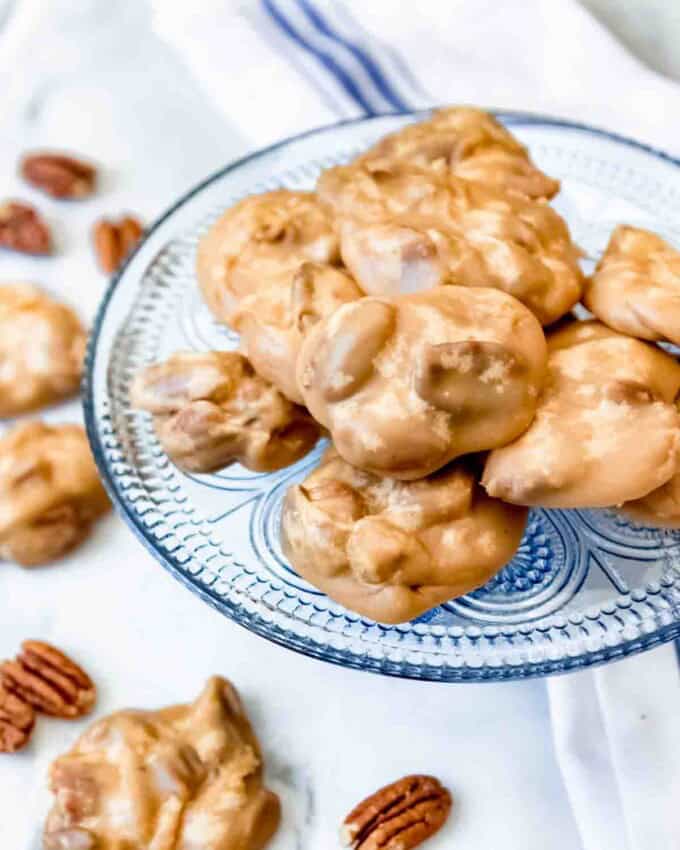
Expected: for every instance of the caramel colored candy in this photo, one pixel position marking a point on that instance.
(42, 344)
(258, 240)
(390, 549)
(210, 409)
(274, 320)
(474, 145)
(405, 229)
(606, 429)
(405, 385)
(636, 286)
(50, 492)
(183, 776)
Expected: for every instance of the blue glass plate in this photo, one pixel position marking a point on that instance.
(585, 587)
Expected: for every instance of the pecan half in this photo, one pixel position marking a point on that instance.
(48, 680)
(113, 241)
(58, 175)
(22, 229)
(16, 721)
(399, 816)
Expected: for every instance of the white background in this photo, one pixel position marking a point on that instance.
(93, 79)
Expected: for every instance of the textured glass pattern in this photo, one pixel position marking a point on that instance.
(585, 587)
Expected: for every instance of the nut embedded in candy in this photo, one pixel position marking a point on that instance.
(260, 239)
(42, 344)
(405, 385)
(636, 286)
(211, 409)
(50, 492)
(391, 550)
(180, 777)
(49, 681)
(403, 229)
(454, 376)
(357, 191)
(474, 145)
(341, 369)
(471, 144)
(274, 320)
(606, 431)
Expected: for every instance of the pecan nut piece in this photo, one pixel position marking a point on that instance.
(113, 241)
(48, 680)
(22, 229)
(399, 816)
(17, 719)
(58, 175)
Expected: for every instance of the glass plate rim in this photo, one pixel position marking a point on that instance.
(253, 621)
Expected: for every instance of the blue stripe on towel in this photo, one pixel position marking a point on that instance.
(343, 78)
(418, 97)
(273, 36)
(368, 63)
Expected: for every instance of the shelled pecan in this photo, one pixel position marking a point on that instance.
(113, 241)
(59, 175)
(22, 229)
(17, 719)
(49, 681)
(399, 816)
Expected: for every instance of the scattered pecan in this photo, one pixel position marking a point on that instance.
(16, 722)
(22, 229)
(399, 816)
(59, 175)
(113, 241)
(48, 680)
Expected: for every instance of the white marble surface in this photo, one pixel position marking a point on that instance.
(92, 78)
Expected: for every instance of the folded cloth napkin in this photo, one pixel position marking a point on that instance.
(617, 740)
(278, 67)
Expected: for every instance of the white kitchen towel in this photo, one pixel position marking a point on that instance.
(279, 67)
(617, 741)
